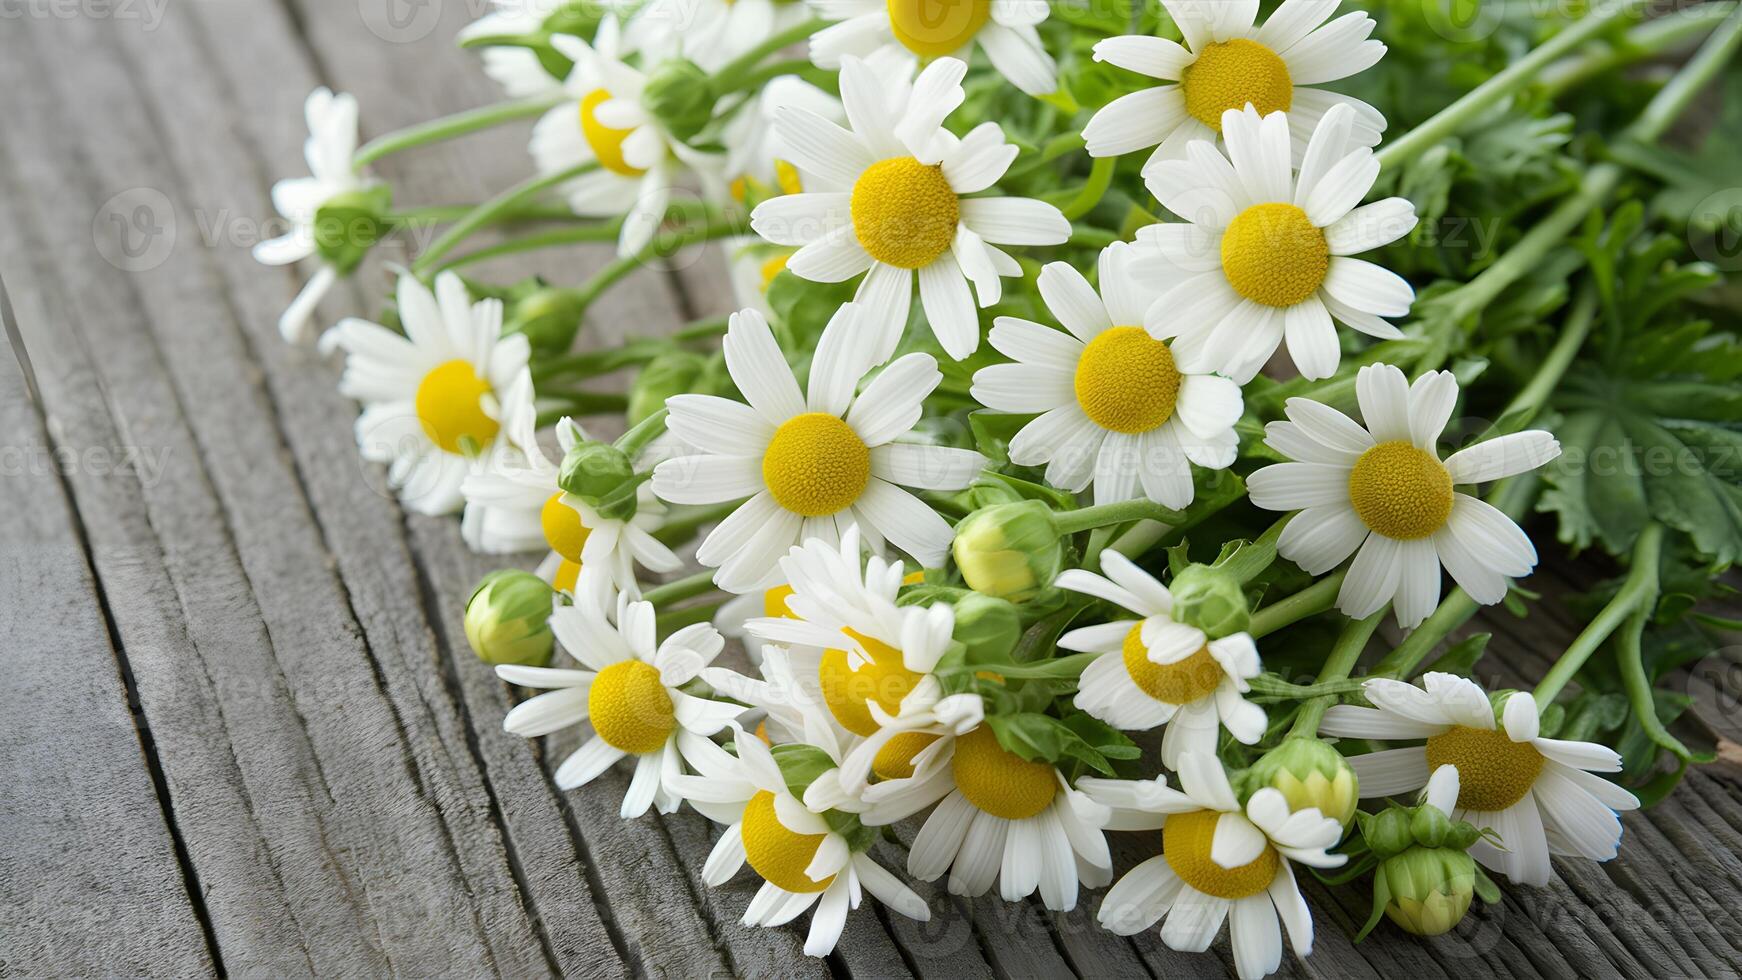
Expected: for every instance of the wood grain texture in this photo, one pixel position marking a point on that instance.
(243, 726)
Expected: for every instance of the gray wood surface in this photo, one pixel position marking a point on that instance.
(240, 729)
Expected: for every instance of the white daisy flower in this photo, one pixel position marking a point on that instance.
(1540, 795)
(332, 142)
(906, 31)
(515, 67)
(629, 692)
(1116, 408)
(1228, 62)
(435, 398)
(709, 33)
(888, 202)
(1218, 862)
(757, 159)
(515, 504)
(1014, 822)
(1264, 255)
(1383, 489)
(607, 123)
(811, 464)
(1155, 671)
(803, 861)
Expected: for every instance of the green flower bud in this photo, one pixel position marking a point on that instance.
(669, 374)
(988, 627)
(679, 96)
(602, 476)
(1009, 551)
(1211, 599)
(1388, 832)
(1427, 889)
(1310, 773)
(507, 619)
(347, 225)
(1430, 826)
(548, 317)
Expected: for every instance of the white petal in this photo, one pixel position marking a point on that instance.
(908, 523)
(1391, 772)
(949, 306)
(1349, 721)
(1319, 539)
(890, 405)
(1015, 220)
(1337, 50)
(1432, 398)
(1368, 287)
(1153, 56)
(1017, 54)
(1373, 577)
(926, 467)
(1131, 122)
(587, 762)
(1383, 394)
(759, 368)
(1371, 226)
(1518, 452)
(1294, 486)
(1342, 188)
(1312, 340)
(1073, 301)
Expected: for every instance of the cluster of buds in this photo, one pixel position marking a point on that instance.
(1425, 878)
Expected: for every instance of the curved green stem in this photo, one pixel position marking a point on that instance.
(606, 232)
(757, 78)
(1638, 591)
(731, 74)
(1639, 43)
(1093, 189)
(1101, 515)
(683, 588)
(1345, 653)
(485, 212)
(448, 127)
(1310, 601)
(645, 431)
(661, 246)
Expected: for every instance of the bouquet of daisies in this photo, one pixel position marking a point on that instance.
(1107, 381)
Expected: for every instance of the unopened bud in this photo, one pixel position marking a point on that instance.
(507, 619)
(548, 317)
(601, 475)
(671, 373)
(1009, 551)
(1310, 773)
(987, 627)
(1211, 599)
(348, 224)
(679, 95)
(1427, 889)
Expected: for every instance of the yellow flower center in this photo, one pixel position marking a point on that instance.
(1273, 255)
(1400, 491)
(450, 406)
(1180, 682)
(563, 529)
(1230, 74)
(786, 178)
(816, 464)
(1494, 772)
(606, 141)
(779, 855)
(884, 679)
(999, 782)
(774, 603)
(934, 28)
(1185, 842)
(773, 267)
(904, 212)
(895, 759)
(630, 708)
(567, 574)
(1126, 380)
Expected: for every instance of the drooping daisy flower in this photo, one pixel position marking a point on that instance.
(1383, 489)
(628, 691)
(514, 504)
(1218, 862)
(1229, 63)
(1264, 255)
(1540, 795)
(514, 67)
(1116, 406)
(803, 861)
(607, 123)
(434, 398)
(904, 31)
(887, 202)
(811, 464)
(332, 141)
(1011, 821)
(1155, 671)
(709, 33)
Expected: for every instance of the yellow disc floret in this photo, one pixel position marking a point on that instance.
(563, 529)
(849, 681)
(773, 267)
(1494, 772)
(786, 177)
(450, 407)
(1230, 74)
(567, 574)
(779, 855)
(1400, 491)
(895, 759)
(1000, 782)
(629, 707)
(606, 141)
(816, 464)
(904, 212)
(934, 28)
(1185, 842)
(1126, 380)
(774, 603)
(1273, 255)
(1180, 682)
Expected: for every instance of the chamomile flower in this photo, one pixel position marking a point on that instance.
(709, 33)
(1384, 490)
(514, 67)
(628, 691)
(434, 399)
(1155, 671)
(813, 464)
(332, 142)
(515, 504)
(1219, 862)
(1228, 62)
(1265, 255)
(1012, 821)
(1539, 795)
(1116, 407)
(888, 203)
(757, 160)
(802, 859)
(906, 31)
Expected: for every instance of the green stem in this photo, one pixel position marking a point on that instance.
(443, 213)
(645, 431)
(1091, 237)
(671, 620)
(660, 247)
(680, 589)
(1639, 43)
(1101, 515)
(484, 213)
(1254, 557)
(1094, 188)
(1452, 118)
(448, 127)
(1638, 591)
(1630, 656)
(1524, 407)
(592, 363)
(682, 528)
(580, 403)
(1345, 653)
(1310, 601)
(557, 237)
(1672, 100)
(774, 69)
(728, 78)
(702, 329)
